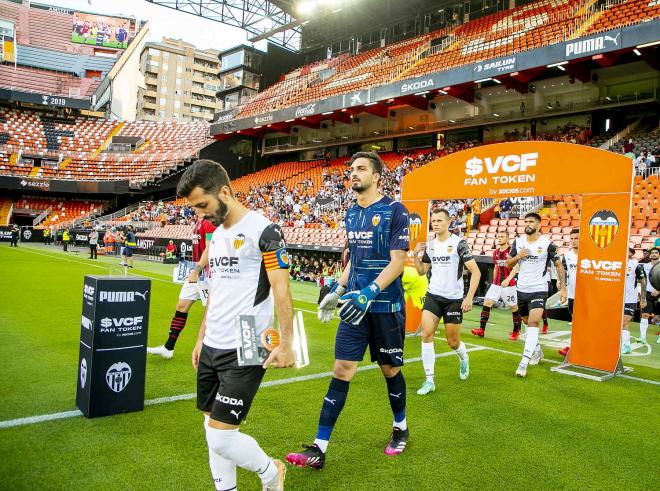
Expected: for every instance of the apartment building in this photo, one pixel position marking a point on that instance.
(181, 82)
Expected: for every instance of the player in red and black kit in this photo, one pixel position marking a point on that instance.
(194, 288)
(503, 287)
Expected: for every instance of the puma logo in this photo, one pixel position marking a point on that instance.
(614, 39)
(400, 358)
(331, 401)
(143, 295)
(398, 396)
(237, 414)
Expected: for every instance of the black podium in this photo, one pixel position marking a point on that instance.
(113, 344)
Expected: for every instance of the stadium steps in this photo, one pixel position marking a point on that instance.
(6, 207)
(34, 172)
(64, 163)
(108, 139)
(590, 21)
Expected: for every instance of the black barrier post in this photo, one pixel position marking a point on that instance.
(113, 345)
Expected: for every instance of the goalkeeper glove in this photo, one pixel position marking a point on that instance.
(329, 302)
(356, 303)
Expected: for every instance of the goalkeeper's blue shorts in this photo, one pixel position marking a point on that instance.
(384, 334)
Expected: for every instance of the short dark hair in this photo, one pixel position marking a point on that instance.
(575, 231)
(373, 157)
(533, 215)
(435, 211)
(654, 249)
(206, 174)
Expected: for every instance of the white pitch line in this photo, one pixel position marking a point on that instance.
(12, 423)
(546, 360)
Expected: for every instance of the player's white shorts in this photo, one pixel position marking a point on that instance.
(508, 295)
(190, 291)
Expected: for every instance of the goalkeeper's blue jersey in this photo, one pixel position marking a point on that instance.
(372, 233)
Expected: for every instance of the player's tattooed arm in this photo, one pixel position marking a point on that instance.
(422, 259)
(561, 280)
(641, 277)
(193, 276)
(515, 256)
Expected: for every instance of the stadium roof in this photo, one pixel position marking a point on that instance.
(261, 18)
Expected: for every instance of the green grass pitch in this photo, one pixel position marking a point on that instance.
(493, 431)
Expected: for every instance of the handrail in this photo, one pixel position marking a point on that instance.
(41, 216)
(620, 135)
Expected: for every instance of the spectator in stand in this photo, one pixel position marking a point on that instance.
(476, 212)
(629, 146)
(505, 208)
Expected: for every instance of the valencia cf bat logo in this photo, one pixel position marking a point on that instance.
(375, 220)
(238, 241)
(603, 227)
(415, 226)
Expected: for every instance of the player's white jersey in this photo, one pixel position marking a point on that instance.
(238, 283)
(447, 259)
(532, 275)
(647, 272)
(570, 263)
(634, 272)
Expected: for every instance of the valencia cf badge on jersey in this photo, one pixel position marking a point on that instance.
(238, 241)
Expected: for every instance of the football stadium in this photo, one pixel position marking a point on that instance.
(351, 245)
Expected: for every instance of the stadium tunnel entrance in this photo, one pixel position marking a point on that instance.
(535, 168)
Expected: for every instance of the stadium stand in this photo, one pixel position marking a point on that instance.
(618, 14)
(523, 28)
(79, 144)
(310, 226)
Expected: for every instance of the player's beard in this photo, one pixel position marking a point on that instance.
(220, 215)
(530, 230)
(358, 186)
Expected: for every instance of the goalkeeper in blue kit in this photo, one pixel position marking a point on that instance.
(372, 313)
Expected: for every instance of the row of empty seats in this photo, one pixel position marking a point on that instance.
(28, 79)
(533, 25)
(62, 211)
(77, 144)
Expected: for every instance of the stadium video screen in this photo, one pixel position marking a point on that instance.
(97, 30)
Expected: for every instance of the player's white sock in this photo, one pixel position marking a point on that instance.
(402, 425)
(428, 360)
(643, 327)
(222, 470)
(625, 337)
(322, 444)
(461, 351)
(243, 450)
(531, 341)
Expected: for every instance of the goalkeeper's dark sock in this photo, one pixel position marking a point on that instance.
(176, 326)
(517, 320)
(396, 391)
(333, 403)
(485, 315)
